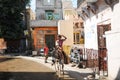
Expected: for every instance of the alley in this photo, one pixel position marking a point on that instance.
(12, 68)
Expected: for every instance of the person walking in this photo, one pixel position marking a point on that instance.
(46, 50)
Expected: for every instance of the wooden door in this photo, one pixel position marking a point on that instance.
(102, 51)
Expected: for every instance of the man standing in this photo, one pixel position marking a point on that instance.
(46, 50)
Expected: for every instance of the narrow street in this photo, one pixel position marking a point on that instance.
(20, 69)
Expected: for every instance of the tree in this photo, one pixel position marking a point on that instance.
(11, 19)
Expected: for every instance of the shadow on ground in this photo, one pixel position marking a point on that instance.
(28, 76)
(78, 76)
(3, 59)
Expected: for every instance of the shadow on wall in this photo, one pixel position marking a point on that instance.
(118, 75)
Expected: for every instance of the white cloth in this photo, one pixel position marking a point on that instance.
(56, 43)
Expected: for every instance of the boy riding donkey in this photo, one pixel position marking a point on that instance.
(61, 56)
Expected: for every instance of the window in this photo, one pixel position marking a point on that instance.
(77, 38)
(74, 37)
(82, 37)
(56, 16)
(49, 2)
(49, 14)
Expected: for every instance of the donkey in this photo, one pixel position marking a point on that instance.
(58, 60)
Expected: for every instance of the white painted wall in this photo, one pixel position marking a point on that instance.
(102, 18)
(106, 16)
(113, 45)
(116, 17)
(91, 33)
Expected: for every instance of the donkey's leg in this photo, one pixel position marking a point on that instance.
(55, 66)
(63, 67)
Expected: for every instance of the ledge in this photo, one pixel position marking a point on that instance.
(41, 23)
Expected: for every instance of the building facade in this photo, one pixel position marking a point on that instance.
(99, 21)
(31, 13)
(112, 42)
(48, 12)
(72, 23)
(48, 9)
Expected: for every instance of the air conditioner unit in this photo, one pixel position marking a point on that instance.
(91, 0)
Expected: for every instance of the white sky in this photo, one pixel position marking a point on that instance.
(33, 4)
(74, 3)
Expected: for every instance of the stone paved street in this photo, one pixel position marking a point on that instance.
(34, 68)
(71, 73)
(20, 69)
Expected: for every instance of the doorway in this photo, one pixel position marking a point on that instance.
(102, 50)
(50, 40)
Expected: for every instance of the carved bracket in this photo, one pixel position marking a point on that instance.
(92, 7)
(85, 12)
